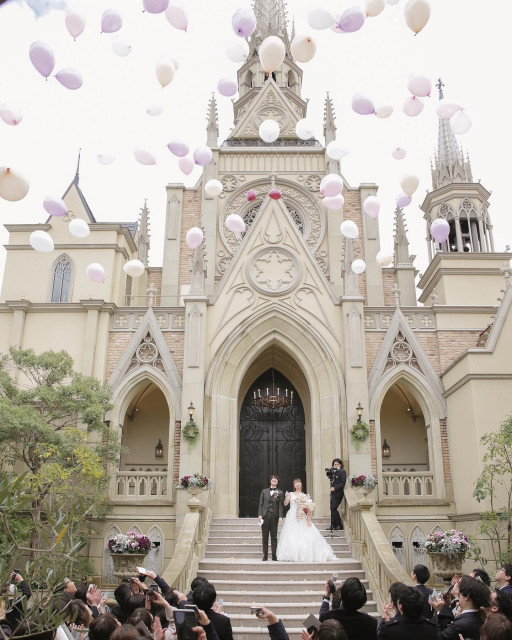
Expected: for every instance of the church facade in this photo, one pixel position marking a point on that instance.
(270, 337)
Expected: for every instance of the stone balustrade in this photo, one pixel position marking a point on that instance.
(403, 484)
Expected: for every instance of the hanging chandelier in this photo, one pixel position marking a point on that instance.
(273, 397)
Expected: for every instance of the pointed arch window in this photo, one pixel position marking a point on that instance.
(61, 285)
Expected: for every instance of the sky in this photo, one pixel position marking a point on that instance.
(465, 43)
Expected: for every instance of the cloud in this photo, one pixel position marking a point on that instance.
(42, 7)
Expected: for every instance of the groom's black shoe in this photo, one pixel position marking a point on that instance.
(265, 558)
(274, 558)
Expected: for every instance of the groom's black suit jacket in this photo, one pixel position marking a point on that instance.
(265, 499)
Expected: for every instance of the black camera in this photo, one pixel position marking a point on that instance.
(330, 471)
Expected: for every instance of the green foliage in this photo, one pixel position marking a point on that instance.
(494, 487)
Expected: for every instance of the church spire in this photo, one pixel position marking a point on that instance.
(329, 121)
(450, 165)
(401, 242)
(212, 128)
(271, 21)
(143, 236)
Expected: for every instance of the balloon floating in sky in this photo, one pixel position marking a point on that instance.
(349, 229)
(334, 203)
(409, 184)
(243, 22)
(155, 6)
(358, 266)
(121, 48)
(269, 130)
(304, 129)
(460, 122)
(440, 230)
(384, 111)
(55, 206)
(275, 194)
(178, 148)
(213, 188)
(331, 185)
(134, 268)
(111, 21)
(105, 158)
(75, 22)
(177, 16)
(320, 18)
(271, 53)
(154, 110)
(362, 105)
(335, 150)
(352, 19)
(303, 48)
(194, 237)
(398, 153)
(165, 71)
(203, 156)
(42, 57)
(238, 51)
(9, 114)
(447, 109)
(417, 14)
(403, 200)
(227, 87)
(235, 223)
(79, 228)
(383, 259)
(371, 207)
(69, 78)
(374, 7)
(186, 165)
(413, 106)
(96, 272)
(251, 195)
(41, 241)
(13, 185)
(419, 86)
(143, 156)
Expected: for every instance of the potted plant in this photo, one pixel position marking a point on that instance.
(128, 551)
(195, 483)
(363, 483)
(446, 550)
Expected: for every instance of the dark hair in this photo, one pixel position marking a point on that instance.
(476, 591)
(295, 480)
(81, 592)
(123, 593)
(125, 632)
(507, 568)
(394, 588)
(204, 596)
(139, 615)
(78, 613)
(60, 601)
(337, 460)
(353, 594)
(504, 602)
(496, 627)
(336, 598)
(483, 575)
(102, 627)
(421, 572)
(196, 582)
(411, 601)
(136, 601)
(171, 597)
(274, 475)
(331, 629)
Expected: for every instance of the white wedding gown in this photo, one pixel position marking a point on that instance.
(300, 543)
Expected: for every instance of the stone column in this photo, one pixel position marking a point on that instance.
(171, 264)
(19, 309)
(458, 233)
(93, 308)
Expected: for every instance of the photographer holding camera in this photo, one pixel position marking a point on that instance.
(338, 477)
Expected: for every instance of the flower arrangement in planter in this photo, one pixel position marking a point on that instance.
(131, 542)
(197, 480)
(449, 543)
(363, 480)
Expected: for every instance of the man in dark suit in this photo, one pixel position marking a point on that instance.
(473, 594)
(338, 480)
(204, 596)
(411, 622)
(504, 579)
(420, 574)
(270, 513)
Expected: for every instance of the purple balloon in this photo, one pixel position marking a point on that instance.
(186, 165)
(111, 21)
(69, 78)
(155, 6)
(227, 87)
(203, 156)
(440, 230)
(55, 206)
(178, 148)
(362, 105)
(41, 56)
(244, 22)
(403, 200)
(352, 19)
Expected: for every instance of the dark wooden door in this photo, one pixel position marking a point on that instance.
(271, 441)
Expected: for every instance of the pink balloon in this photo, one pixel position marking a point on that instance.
(334, 202)
(399, 153)
(96, 272)
(41, 56)
(143, 156)
(362, 105)
(227, 87)
(177, 16)
(194, 237)
(403, 200)
(244, 22)
(251, 195)
(186, 164)
(111, 21)
(235, 223)
(75, 22)
(178, 148)
(352, 19)
(10, 115)
(203, 156)
(275, 194)
(413, 106)
(371, 207)
(155, 6)
(331, 185)
(420, 86)
(447, 109)
(69, 78)
(55, 206)
(440, 230)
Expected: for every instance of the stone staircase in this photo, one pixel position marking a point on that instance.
(291, 590)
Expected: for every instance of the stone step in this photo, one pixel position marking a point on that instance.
(255, 554)
(242, 565)
(258, 593)
(223, 584)
(257, 633)
(283, 609)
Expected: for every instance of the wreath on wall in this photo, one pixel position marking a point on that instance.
(359, 432)
(190, 431)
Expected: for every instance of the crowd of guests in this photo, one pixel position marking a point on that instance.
(469, 609)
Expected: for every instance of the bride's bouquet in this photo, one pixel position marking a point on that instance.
(305, 506)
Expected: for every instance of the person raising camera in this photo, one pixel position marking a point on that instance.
(338, 477)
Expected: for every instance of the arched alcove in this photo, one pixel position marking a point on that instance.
(108, 565)
(397, 542)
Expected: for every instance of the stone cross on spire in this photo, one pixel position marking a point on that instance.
(440, 85)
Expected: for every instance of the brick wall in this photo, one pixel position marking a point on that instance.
(118, 342)
(445, 451)
(190, 217)
(177, 449)
(373, 342)
(352, 211)
(176, 344)
(452, 344)
(155, 281)
(388, 281)
(430, 346)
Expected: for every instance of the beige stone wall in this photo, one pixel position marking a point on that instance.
(191, 217)
(389, 279)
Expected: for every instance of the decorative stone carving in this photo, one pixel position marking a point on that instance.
(178, 322)
(369, 322)
(401, 353)
(313, 182)
(229, 182)
(273, 271)
(147, 354)
(415, 320)
(321, 258)
(121, 321)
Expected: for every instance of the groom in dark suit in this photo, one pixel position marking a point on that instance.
(270, 513)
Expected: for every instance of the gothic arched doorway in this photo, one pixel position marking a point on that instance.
(272, 440)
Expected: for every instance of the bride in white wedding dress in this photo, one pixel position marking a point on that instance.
(300, 540)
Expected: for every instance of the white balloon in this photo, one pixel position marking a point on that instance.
(165, 71)
(398, 153)
(194, 237)
(13, 185)
(269, 130)
(419, 86)
(41, 241)
(9, 114)
(238, 50)
(105, 158)
(331, 185)
(303, 48)
(417, 13)
(371, 207)
(358, 266)
(413, 106)
(235, 223)
(460, 122)
(304, 129)
(374, 7)
(335, 203)
(154, 110)
(409, 184)
(349, 229)
(320, 18)
(447, 109)
(271, 53)
(392, 1)
(79, 228)
(383, 259)
(177, 15)
(335, 150)
(134, 268)
(121, 48)
(96, 272)
(384, 111)
(143, 156)
(213, 188)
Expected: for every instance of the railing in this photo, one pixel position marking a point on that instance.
(369, 543)
(408, 484)
(140, 484)
(191, 544)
